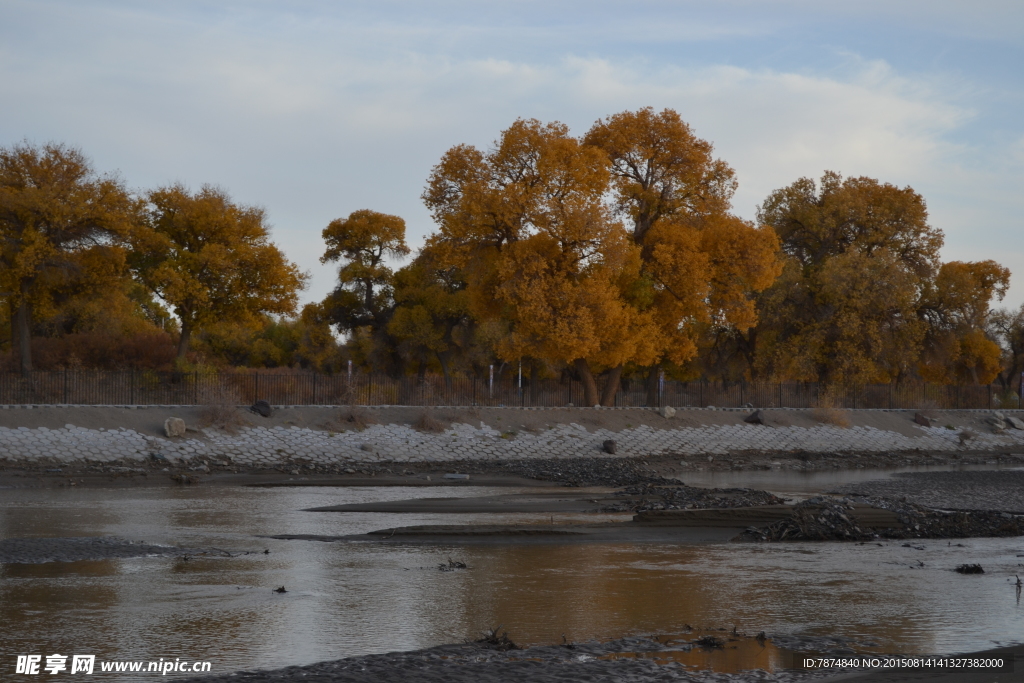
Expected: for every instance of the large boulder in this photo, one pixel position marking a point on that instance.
(174, 426)
(1015, 422)
(609, 446)
(924, 420)
(996, 420)
(262, 408)
(667, 412)
(755, 418)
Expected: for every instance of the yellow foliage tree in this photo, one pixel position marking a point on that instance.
(859, 253)
(364, 242)
(361, 305)
(431, 314)
(956, 307)
(212, 260)
(528, 226)
(705, 264)
(61, 227)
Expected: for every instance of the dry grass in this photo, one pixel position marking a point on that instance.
(358, 419)
(428, 423)
(929, 409)
(827, 410)
(220, 409)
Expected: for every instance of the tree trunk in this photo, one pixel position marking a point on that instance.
(652, 385)
(183, 340)
(748, 347)
(533, 382)
(23, 322)
(442, 358)
(611, 387)
(12, 312)
(590, 395)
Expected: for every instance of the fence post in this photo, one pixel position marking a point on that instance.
(313, 398)
(256, 388)
(131, 390)
(65, 386)
(990, 396)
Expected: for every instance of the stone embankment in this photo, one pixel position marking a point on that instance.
(466, 436)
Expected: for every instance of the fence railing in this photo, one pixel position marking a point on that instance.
(176, 388)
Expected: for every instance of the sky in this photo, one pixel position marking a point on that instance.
(313, 110)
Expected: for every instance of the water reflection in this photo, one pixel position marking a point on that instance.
(347, 599)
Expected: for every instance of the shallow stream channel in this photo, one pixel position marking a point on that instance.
(354, 598)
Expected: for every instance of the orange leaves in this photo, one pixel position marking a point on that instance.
(860, 214)
(532, 223)
(956, 306)
(60, 223)
(661, 169)
(529, 225)
(365, 237)
(865, 298)
(563, 313)
(705, 263)
(212, 260)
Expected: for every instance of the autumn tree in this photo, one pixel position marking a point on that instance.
(704, 264)
(366, 245)
(431, 315)
(858, 255)
(61, 226)
(527, 224)
(1007, 326)
(212, 260)
(956, 305)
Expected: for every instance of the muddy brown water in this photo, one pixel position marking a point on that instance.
(360, 598)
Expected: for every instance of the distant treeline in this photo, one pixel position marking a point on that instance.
(599, 258)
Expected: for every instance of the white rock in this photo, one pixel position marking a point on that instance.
(174, 426)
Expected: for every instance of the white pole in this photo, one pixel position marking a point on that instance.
(490, 383)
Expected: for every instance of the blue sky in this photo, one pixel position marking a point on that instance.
(315, 109)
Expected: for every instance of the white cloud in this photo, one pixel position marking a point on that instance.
(321, 120)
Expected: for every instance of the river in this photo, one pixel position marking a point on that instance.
(347, 599)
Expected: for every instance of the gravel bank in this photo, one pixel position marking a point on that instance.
(828, 519)
(630, 660)
(1001, 490)
(41, 550)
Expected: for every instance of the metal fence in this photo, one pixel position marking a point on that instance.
(162, 388)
